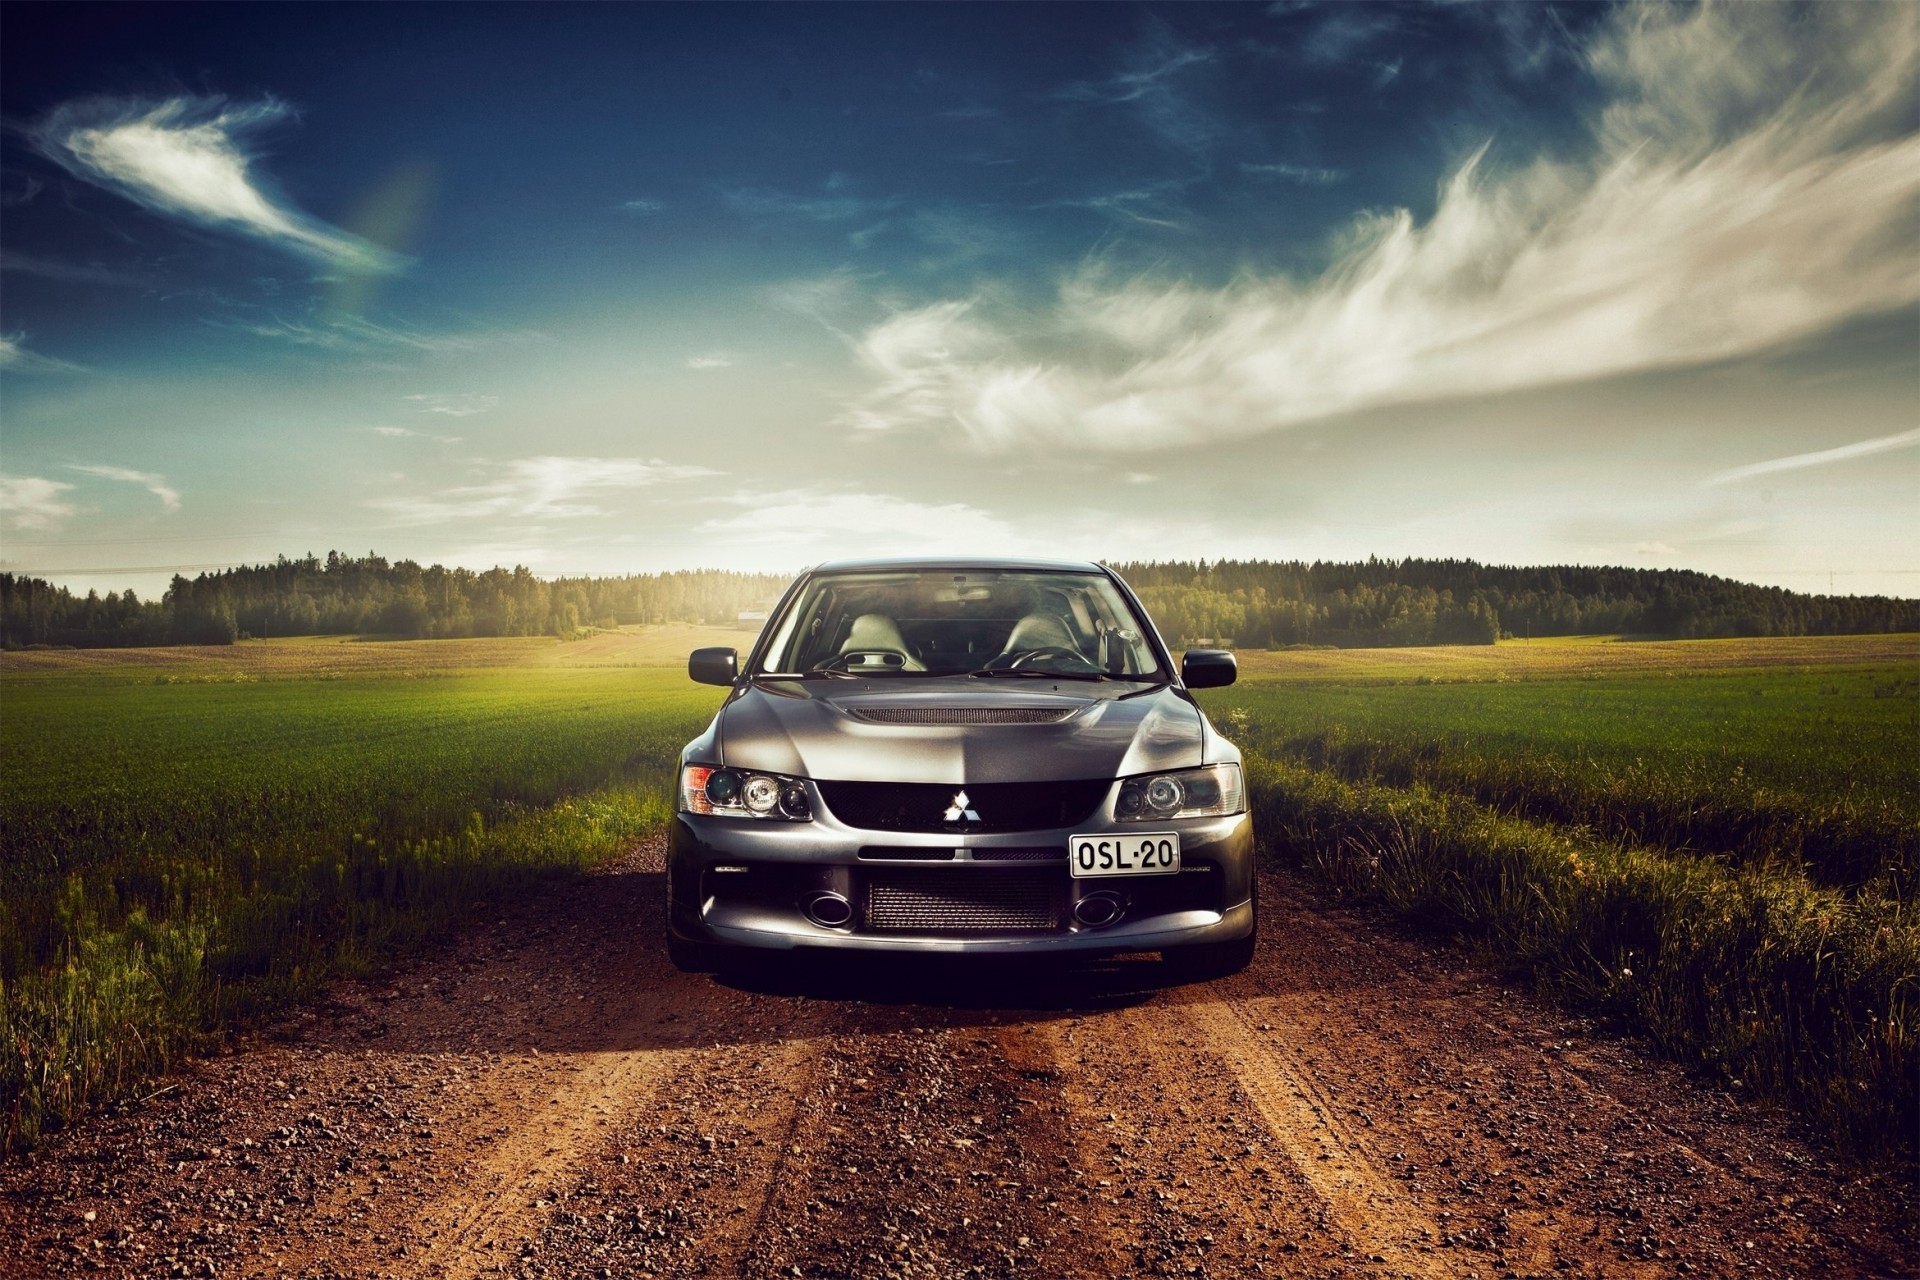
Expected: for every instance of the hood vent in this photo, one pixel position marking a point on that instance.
(961, 715)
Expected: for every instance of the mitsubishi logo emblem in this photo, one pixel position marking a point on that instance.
(960, 810)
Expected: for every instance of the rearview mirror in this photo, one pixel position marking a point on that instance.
(1208, 669)
(714, 666)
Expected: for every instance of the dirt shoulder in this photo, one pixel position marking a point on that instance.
(548, 1097)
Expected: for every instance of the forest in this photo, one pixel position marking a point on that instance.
(1247, 603)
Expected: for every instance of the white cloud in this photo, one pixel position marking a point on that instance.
(456, 406)
(15, 358)
(1750, 183)
(1152, 86)
(815, 522)
(75, 272)
(543, 487)
(1305, 175)
(30, 502)
(155, 484)
(354, 334)
(408, 433)
(712, 360)
(1818, 458)
(837, 203)
(185, 157)
(1159, 61)
(642, 208)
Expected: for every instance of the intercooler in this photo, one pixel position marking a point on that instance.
(964, 900)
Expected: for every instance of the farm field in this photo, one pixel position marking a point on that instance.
(193, 837)
(1809, 763)
(1713, 842)
(189, 838)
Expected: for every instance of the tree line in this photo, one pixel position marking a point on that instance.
(1250, 603)
(370, 595)
(1267, 603)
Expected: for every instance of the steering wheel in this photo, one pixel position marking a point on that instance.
(1051, 651)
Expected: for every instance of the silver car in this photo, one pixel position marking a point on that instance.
(992, 757)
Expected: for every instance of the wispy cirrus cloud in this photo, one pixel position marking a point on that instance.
(34, 502)
(72, 272)
(187, 157)
(155, 484)
(1305, 175)
(1154, 205)
(711, 360)
(1153, 85)
(806, 521)
(464, 405)
(15, 358)
(358, 335)
(408, 433)
(545, 487)
(838, 200)
(1817, 458)
(642, 208)
(1750, 183)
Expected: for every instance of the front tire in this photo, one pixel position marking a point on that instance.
(1209, 960)
(1206, 960)
(692, 957)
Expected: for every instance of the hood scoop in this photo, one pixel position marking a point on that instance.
(961, 715)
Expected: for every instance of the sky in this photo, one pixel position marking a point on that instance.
(623, 288)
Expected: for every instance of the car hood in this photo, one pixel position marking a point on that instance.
(870, 730)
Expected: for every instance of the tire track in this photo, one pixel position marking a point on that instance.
(1175, 1173)
(547, 1097)
(1304, 1118)
(502, 1196)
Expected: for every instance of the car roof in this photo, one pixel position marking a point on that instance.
(961, 563)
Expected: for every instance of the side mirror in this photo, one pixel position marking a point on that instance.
(714, 666)
(1208, 669)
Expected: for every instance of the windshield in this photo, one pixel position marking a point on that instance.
(961, 622)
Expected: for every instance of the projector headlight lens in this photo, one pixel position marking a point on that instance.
(738, 793)
(723, 787)
(1164, 795)
(760, 793)
(1210, 792)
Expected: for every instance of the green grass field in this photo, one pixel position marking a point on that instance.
(1808, 765)
(191, 837)
(1711, 842)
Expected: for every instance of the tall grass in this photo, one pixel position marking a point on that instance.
(178, 859)
(1812, 771)
(1801, 993)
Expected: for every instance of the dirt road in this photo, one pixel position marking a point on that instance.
(549, 1097)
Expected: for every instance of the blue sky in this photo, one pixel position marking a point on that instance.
(619, 288)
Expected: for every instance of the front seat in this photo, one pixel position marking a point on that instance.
(877, 633)
(1035, 631)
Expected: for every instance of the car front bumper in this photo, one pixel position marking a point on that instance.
(746, 884)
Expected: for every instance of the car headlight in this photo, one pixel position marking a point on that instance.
(741, 793)
(1191, 793)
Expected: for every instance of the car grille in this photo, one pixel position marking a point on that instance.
(990, 853)
(933, 901)
(1048, 853)
(961, 715)
(1000, 806)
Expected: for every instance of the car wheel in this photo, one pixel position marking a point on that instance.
(1215, 959)
(691, 957)
(1210, 959)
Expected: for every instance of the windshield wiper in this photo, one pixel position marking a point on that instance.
(1037, 674)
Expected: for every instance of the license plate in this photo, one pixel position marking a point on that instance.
(1150, 853)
